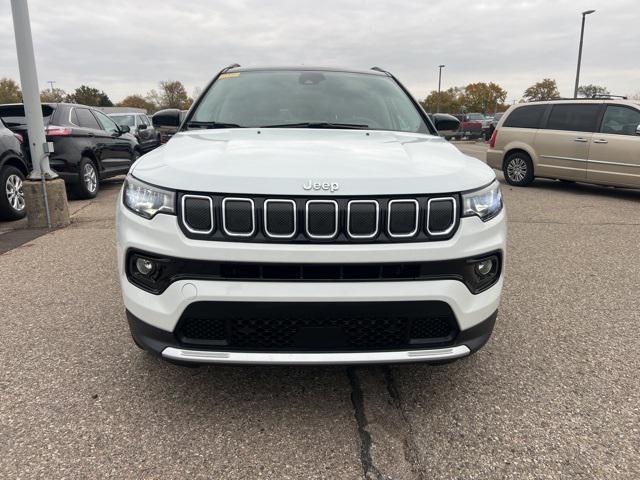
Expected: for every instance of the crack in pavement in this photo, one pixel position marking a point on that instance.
(357, 400)
(387, 446)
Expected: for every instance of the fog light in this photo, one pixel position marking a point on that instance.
(484, 267)
(144, 266)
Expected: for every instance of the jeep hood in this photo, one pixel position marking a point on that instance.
(280, 161)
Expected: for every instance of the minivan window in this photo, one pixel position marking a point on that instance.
(528, 116)
(619, 120)
(127, 120)
(574, 117)
(86, 119)
(263, 98)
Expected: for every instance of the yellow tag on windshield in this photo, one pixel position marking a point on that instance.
(229, 75)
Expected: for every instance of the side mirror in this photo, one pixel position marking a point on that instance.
(142, 126)
(124, 128)
(166, 118)
(638, 130)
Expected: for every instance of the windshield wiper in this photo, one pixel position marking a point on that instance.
(197, 124)
(354, 126)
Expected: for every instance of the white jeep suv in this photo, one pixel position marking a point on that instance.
(309, 215)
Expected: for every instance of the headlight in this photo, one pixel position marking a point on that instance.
(485, 203)
(147, 200)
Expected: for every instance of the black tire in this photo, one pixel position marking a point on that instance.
(518, 169)
(87, 185)
(12, 205)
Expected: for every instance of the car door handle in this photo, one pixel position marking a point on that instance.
(601, 140)
(90, 134)
(580, 139)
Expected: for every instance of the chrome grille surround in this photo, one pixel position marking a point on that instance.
(265, 210)
(454, 218)
(417, 219)
(363, 202)
(224, 216)
(336, 218)
(184, 217)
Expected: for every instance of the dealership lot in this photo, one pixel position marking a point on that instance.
(554, 394)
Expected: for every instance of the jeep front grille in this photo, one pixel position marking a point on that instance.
(318, 219)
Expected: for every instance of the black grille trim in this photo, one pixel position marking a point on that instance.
(317, 326)
(327, 236)
(260, 233)
(417, 218)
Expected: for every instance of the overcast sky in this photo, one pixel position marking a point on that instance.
(125, 47)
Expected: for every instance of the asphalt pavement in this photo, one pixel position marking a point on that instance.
(555, 393)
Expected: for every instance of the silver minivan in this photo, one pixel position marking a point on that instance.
(590, 140)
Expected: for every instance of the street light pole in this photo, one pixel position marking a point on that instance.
(30, 92)
(584, 14)
(440, 67)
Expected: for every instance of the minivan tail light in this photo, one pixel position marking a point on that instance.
(54, 131)
(494, 136)
(19, 137)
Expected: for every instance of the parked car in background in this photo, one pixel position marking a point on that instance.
(470, 125)
(13, 170)
(449, 126)
(88, 145)
(159, 120)
(594, 141)
(494, 122)
(139, 126)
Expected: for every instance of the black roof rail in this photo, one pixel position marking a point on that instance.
(233, 65)
(608, 95)
(378, 69)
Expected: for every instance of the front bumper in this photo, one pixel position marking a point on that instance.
(165, 344)
(154, 317)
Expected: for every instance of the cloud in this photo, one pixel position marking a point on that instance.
(128, 47)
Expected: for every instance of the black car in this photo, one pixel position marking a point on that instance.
(13, 170)
(88, 145)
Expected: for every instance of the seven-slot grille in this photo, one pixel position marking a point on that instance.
(317, 219)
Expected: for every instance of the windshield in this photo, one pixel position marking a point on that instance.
(311, 99)
(476, 116)
(127, 120)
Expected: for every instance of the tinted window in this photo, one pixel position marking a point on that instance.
(13, 115)
(266, 98)
(107, 124)
(526, 117)
(620, 120)
(86, 119)
(577, 118)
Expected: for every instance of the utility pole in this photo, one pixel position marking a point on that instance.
(35, 190)
(440, 67)
(584, 14)
(51, 82)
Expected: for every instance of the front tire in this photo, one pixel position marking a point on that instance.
(88, 181)
(12, 204)
(518, 169)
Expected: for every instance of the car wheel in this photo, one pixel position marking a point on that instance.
(12, 204)
(518, 169)
(88, 184)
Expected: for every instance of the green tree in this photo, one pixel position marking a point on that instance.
(588, 91)
(55, 95)
(10, 91)
(483, 97)
(89, 96)
(547, 89)
(450, 100)
(172, 94)
(137, 101)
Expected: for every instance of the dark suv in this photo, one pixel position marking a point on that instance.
(88, 145)
(13, 170)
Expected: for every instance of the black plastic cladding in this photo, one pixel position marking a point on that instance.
(259, 235)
